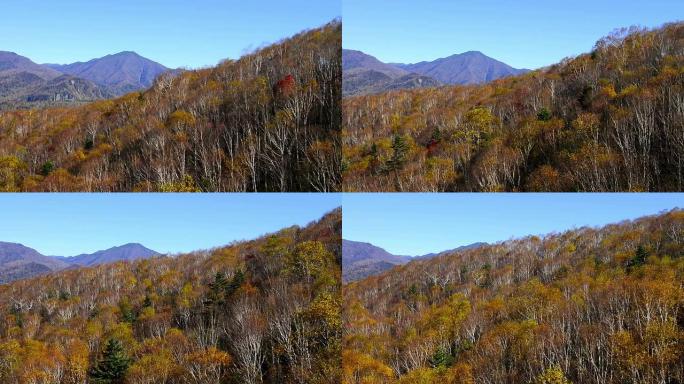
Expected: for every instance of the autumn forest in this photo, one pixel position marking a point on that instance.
(173, 179)
(269, 121)
(588, 305)
(608, 120)
(260, 311)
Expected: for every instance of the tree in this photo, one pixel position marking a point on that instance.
(441, 358)
(544, 115)
(111, 369)
(552, 375)
(639, 258)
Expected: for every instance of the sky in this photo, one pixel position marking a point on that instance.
(523, 33)
(416, 224)
(70, 224)
(175, 33)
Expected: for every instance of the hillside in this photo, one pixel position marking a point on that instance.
(261, 311)
(20, 262)
(119, 73)
(608, 120)
(361, 260)
(589, 305)
(269, 121)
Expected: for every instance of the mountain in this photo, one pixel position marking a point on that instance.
(471, 67)
(360, 260)
(357, 61)
(13, 64)
(128, 252)
(20, 262)
(25, 84)
(365, 74)
(266, 310)
(599, 122)
(119, 73)
(268, 121)
(536, 309)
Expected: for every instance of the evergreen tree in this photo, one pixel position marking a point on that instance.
(441, 359)
(217, 290)
(436, 135)
(544, 115)
(236, 282)
(639, 258)
(400, 151)
(112, 368)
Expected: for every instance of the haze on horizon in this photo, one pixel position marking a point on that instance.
(524, 34)
(173, 33)
(420, 223)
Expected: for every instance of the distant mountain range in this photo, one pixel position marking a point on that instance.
(24, 83)
(364, 74)
(360, 260)
(20, 262)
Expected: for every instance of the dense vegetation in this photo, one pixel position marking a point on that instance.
(269, 121)
(610, 120)
(591, 305)
(260, 311)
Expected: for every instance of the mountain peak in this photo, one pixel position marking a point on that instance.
(471, 67)
(128, 54)
(120, 73)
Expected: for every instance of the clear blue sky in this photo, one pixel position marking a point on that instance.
(522, 33)
(70, 224)
(188, 33)
(416, 224)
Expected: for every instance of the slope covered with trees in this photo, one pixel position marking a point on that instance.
(262, 311)
(269, 121)
(590, 305)
(609, 120)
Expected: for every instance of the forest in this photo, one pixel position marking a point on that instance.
(608, 120)
(269, 121)
(261, 311)
(588, 305)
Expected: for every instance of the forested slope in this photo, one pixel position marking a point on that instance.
(609, 120)
(262, 311)
(269, 121)
(590, 305)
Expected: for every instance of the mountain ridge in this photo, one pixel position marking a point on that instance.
(363, 259)
(365, 74)
(121, 72)
(471, 67)
(26, 84)
(18, 261)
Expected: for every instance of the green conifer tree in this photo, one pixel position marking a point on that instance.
(112, 368)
